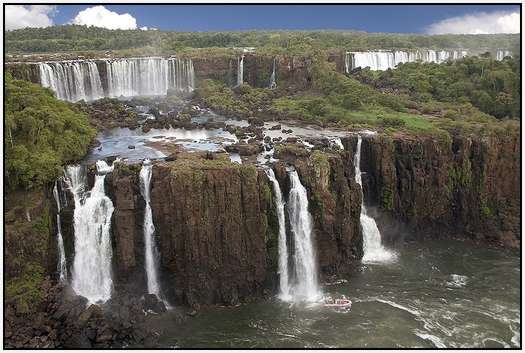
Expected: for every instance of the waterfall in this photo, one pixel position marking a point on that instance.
(273, 83)
(501, 54)
(77, 80)
(91, 273)
(61, 264)
(137, 77)
(372, 248)
(284, 285)
(240, 71)
(72, 80)
(306, 286)
(384, 60)
(181, 75)
(149, 76)
(150, 250)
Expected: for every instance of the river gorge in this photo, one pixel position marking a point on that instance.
(188, 227)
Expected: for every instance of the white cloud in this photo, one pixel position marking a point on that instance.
(99, 16)
(478, 23)
(21, 16)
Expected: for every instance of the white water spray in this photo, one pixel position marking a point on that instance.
(61, 264)
(91, 273)
(306, 287)
(284, 284)
(150, 250)
(373, 250)
(384, 60)
(240, 71)
(273, 83)
(72, 80)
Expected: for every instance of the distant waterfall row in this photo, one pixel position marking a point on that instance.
(383, 60)
(303, 286)
(82, 80)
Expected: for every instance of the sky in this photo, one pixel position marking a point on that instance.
(423, 19)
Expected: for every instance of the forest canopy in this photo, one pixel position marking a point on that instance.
(42, 134)
(69, 38)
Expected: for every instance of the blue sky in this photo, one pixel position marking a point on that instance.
(370, 18)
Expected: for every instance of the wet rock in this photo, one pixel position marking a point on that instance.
(287, 131)
(267, 139)
(291, 140)
(151, 302)
(244, 149)
(255, 121)
(93, 311)
(131, 147)
(276, 127)
(171, 157)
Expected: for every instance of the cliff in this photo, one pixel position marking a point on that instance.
(217, 228)
(466, 187)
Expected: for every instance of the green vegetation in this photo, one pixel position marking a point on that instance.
(491, 86)
(74, 38)
(242, 103)
(27, 249)
(41, 134)
(416, 98)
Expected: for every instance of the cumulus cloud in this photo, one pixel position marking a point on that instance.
(21, 16)
(478, 23)
(99, 16)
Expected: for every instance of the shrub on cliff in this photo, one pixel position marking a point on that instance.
(41, 134)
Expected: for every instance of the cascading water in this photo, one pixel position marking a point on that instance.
(137, 77)
(306, 287)
(284, 284)
(77, 80)
(72, 80)
(273, 83)
(373, 249)
(61, 264)
(240, 71)
(384, 60)
(91, 273)
(150, 250)
(501, 54)
(181, 75)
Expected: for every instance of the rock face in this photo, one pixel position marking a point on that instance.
(469, 186)
(335, 204)
(211, 224)
(123, 188)
(217, 229)
(295, 71)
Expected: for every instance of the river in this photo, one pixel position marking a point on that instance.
(436, 294)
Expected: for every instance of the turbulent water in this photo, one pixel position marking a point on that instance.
(150, 250)
(72, 80)
(127, 77)
(306, 287)
(373, 250)
(91, 272)
(438, 294)
(284, 285)
(148, 76)
(61, 263)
